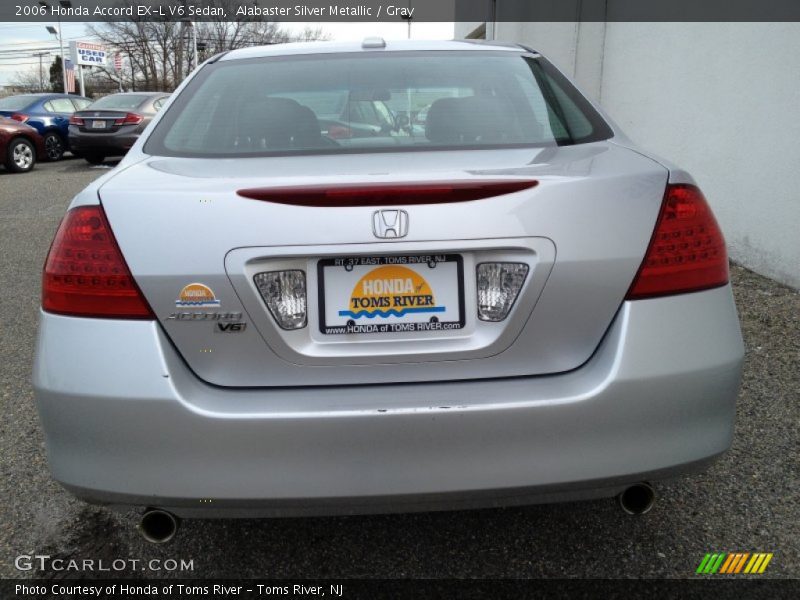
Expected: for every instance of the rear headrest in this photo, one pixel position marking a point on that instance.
(441, 125)
(470, 119)
(279, 123)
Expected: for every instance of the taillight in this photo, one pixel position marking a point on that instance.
(339, 132)
(687, 252)
(85, 274)
(129, 119)
(74, 120)
(20, 117)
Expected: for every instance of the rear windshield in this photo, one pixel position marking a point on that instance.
(367, 102)
(17, 102)
(119, 101)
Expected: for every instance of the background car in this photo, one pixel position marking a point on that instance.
(20, 146)
(48, 114)
(112, 124)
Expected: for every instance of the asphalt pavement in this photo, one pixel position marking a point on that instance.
(749, 501)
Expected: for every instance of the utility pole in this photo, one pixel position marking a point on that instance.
(179, 55)
(40, 55)
(181, 40)
(195, 62)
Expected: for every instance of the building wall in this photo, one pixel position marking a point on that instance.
(720, 99)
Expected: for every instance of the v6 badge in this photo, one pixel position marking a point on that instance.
(230, 327)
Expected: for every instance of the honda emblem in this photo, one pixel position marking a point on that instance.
(390, 224)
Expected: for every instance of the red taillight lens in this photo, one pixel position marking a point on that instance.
(339, 132)
(85, 274)
(20, 117)
(687, 252)
(73, 120)
(129, 119)
(379, 194)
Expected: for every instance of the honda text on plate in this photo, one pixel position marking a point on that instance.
(508, 304)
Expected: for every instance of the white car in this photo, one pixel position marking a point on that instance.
(248, 317)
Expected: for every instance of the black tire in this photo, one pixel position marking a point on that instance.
(95, 159)
(21, 156)
(54, 146)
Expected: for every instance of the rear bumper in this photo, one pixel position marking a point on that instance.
(127, 423)
(112, 144)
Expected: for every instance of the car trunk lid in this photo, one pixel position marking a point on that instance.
(104, 121)
(195, 245)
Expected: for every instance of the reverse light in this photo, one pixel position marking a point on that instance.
(20, 117)
(85, 274)
(75, 120)
(129, 119)
(687, 252)
(498, 287)
(284, 293)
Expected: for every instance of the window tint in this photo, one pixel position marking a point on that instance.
(540, 109)
(349, 103)
(384, 113)
(119, 102)
(16, 102)
(60, 105)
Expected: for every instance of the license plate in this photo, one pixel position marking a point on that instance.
(98, 124)
(391, 294)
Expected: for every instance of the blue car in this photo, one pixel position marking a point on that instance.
(48, 114)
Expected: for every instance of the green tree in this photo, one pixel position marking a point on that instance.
(56, 76)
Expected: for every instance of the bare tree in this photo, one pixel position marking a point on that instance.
(311, 34)
(151, 48)
(159, 53)
(222, 34)
(27, 81)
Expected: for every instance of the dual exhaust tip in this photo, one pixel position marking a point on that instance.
(637, 499)
(159, 526)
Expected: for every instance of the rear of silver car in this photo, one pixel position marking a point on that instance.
(111, 125)
(262, 327)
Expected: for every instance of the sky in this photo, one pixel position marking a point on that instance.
(19, 41)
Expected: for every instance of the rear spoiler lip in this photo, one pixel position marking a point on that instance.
(390, 193)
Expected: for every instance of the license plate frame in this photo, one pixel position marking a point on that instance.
(389, 324)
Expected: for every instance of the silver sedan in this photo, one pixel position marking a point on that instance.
(253, 315)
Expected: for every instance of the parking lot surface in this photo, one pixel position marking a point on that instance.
(749, 501)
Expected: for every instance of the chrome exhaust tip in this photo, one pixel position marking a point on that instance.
(158, 526)
(637, 499)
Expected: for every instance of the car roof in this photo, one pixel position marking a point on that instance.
(148, 94)
(51, 95)
(296, 48)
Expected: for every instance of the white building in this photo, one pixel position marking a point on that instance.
(720, 99)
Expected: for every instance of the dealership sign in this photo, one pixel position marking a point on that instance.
(87, 53)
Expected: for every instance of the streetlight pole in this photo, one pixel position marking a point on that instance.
(51, 29)
(408, 19)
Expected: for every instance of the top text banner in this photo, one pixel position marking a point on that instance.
(476, 11)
